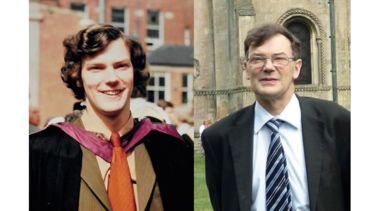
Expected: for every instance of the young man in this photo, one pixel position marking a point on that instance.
(284, 152)
(106, 160)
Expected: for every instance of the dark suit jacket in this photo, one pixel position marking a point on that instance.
(228, 146)
(65, 176)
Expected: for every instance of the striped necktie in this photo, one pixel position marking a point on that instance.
(278, 196)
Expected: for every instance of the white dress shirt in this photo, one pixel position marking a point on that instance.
(291, 140)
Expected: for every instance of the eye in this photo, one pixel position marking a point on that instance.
(256, 60)
(280, 58)
(123, 66)
(95, 68)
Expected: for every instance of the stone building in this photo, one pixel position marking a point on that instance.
(219, 85)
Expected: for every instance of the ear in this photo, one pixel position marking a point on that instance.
(246, 71)
(297, 68)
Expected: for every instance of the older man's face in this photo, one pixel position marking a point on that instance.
(272, 80)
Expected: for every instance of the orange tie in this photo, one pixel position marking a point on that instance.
(120, 187)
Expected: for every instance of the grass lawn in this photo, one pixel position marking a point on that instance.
(201, 198)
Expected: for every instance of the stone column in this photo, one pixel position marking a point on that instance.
(227, 69)
(204, 64)
(218, 74)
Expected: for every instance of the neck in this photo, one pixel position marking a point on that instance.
(96, 121)
(274, 105)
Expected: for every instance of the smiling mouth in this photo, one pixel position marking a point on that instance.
(268, 79)
(112, 92)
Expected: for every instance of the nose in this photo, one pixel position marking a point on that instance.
(111, 77)
(268, 66)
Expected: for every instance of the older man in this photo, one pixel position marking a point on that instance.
(284, 152)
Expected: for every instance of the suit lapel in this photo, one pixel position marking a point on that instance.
(313, 136)
(90, 172)
(241, 145)
(145, 176)
(91, 175)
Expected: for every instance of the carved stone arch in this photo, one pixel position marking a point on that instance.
(305, 14)
(316, 29)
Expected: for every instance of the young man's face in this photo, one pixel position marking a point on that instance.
(273, 81)
(108, 79)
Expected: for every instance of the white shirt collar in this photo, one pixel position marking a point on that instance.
(291, 114)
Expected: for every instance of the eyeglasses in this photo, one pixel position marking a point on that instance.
(277, 61)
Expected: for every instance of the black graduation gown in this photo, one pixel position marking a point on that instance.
(55, 161)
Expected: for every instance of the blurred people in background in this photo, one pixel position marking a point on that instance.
(206, 124)
(185, 125)
(141, 108)
(54, 120)
(34, 119)
(78, 108)
(183, 120)
(169, 108)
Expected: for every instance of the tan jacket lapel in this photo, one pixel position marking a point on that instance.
(91, 175)
(145, 176)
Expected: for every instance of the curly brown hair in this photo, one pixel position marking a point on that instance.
(257, 36)
(89, 42)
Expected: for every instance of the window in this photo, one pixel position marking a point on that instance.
(79, 7)
(153, 23)
(187, 88)
(302, 32)
(307, 27)
(158, 87)
(154, 29)
(119, 19)
(187, 36)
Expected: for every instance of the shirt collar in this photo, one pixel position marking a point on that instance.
(291, 115)
(261, 117)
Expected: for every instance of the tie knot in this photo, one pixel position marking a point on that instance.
(274, 124)
(115, 139)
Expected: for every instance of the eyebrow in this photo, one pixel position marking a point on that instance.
(278, 54)
(100, 65)
(261, 54)
(122, 61)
